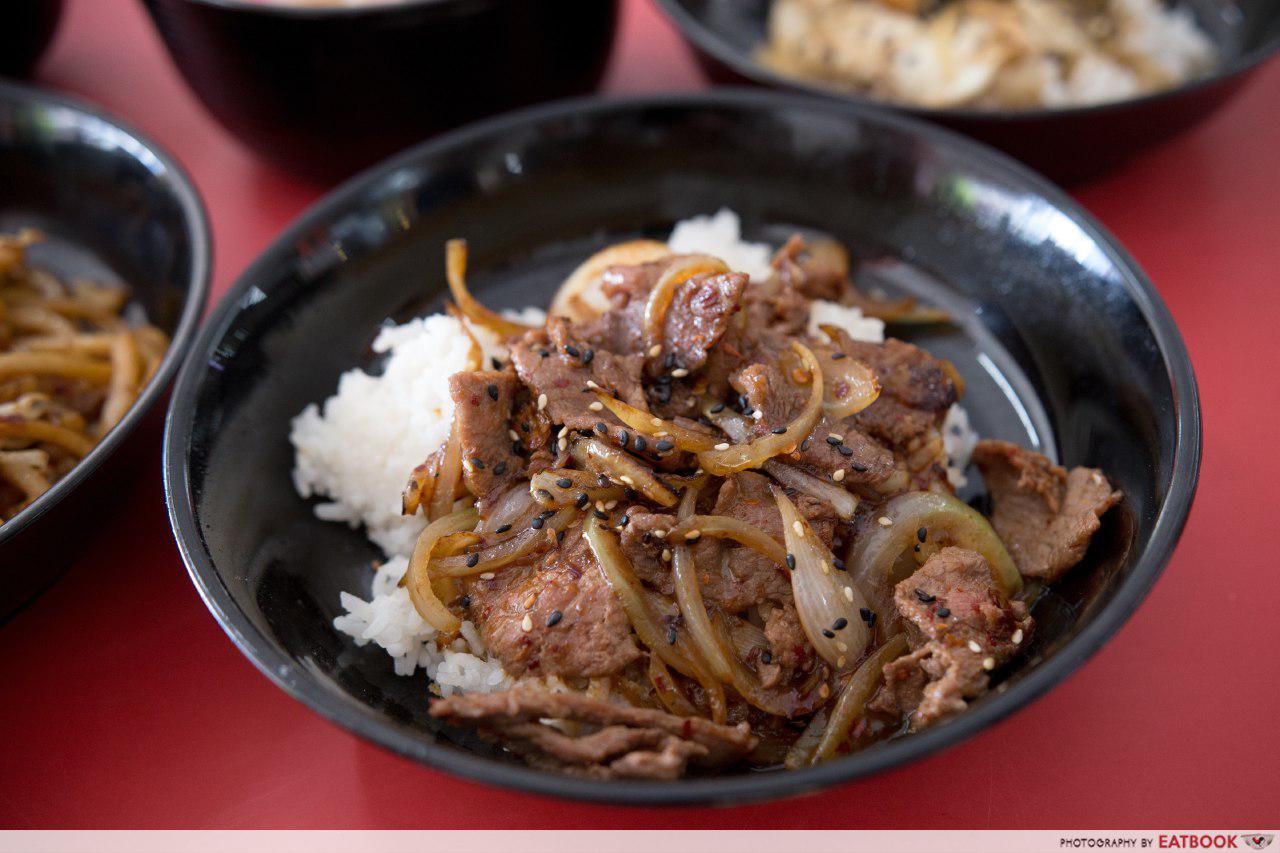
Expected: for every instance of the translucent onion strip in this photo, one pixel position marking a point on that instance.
(826, 603)
(643, 422)
(668, 692)
(728, 527)
(417, 578)
(884, 554)
(740, 457)
(844, 503)
(456, 272)
(850, 384)
(447, 475)
(689, 596)
(526, 542)
(664, 290)
(549, 488)
(573, 299)
(854, 696)
(622, 468)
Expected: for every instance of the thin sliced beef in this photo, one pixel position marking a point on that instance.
(616, 741)
(789, 649)
(643, 539)
(575, 624)
(482, 410)
(1045, 515)
(559, 365)
(961, 626)
(807, 274)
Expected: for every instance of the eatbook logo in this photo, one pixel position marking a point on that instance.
(1258, 841)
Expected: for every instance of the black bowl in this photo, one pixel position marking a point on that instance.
(27, 30)
(1063, 342)
(114, 207)
(1068, 144)
(326, 91)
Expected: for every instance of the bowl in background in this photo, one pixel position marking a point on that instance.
(1068, 144)
(26, 29)
(113, 207)
(1063, 342)
(327, 90)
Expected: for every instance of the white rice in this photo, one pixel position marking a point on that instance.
(358, 449)
(958, 440)
(850, 319)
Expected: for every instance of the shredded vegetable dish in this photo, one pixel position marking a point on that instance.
(698, 528)
(70, 367)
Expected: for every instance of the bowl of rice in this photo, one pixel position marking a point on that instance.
(322, 379)
(1070, 87)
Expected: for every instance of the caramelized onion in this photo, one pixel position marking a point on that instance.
(622, 468)
(740, 457)
(571, 300)
(825, 601)
(668, 692)
(680, 271)
(728, 527)
(547, 488)
(844, 503)
(417, 578)
(689, 596)
(447, 475)
(884, 554)
(475, 354)
(849, 385)
(456, 272)
(854, 696)
(683, 438)
(514, 505)
(496, 556)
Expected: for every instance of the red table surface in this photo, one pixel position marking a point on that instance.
(124, 704)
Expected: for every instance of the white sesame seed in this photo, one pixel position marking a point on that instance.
(562, 444)
(661, 534)
(656, 421)
(757, 414)
(564, 430)
(840, 661)
(591, 383)
(797, 527)
(974, 647)
(988, 663)
(610, 504)
(884, 521)
(655, 350)
(837, 474)
(596, 406)
(625, 478)
(1097, 478)
(679, 373)
(666, 555)
(542, 402)
(526, 623)
(600, 505)
(837, 436)
(513, 435)
(826, 567)
(824, 691)
(487, 576)
(662, 433)
(530, 601)
(692, 535)
(842, 645)
(848, 593)
(1017, 636)
(724, 445)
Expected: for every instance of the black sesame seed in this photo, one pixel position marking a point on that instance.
(570, 349)
(588, 356)
(544, 352)
(804, 445)
(717, 408)
(836, 356)
(497, 362)
(916, 548)
(670, 361)
(554, 618)
(922, 533)
(624, 521)
(602, 480)
(872, 621)
(465, 601)
(663, 445)
(838, 563)
(662, 393)
(641, 444)
(472, 561)
(624, 437)
(560, 537)
(500, 468)
(516, 448)
(845, 451)
(503, 529)
(672, 636)
(833, 441)
(544, 494)
(537, 522)
(547, 513)
(779, 430)
(766, 656)
(493, 391)
(564, 483)
(943, 612)
(830, 635)
(865, 614)
(791, 562)
(924, 596)
(860, 468)
(603, 516)
(840, 624)
(602, 428)
(748, 411)
(477, 463)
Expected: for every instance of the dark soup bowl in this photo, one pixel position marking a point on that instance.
(113, 208)
(326, 90)
(1069, 144)
(1063, 343)
(28, 28)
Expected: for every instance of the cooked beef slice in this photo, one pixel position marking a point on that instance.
(906, 373)
(960, 626)
(620, 742)
(1045, 515)
(808, 275)
(482, 410)
(643, 539)
(590, 637)
(789, 649)
(558, 364)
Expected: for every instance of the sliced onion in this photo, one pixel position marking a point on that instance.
(734, 424)
(745, 637)
(622, 468)
(668, 692)
(572, 299)
(680, 271)
(456, 272)
(526, 542)
(546, 488)
(447, 475)
(475, 355)
(824, 598)
(728, 527)
(689, 597)
(850, 385)
(514, 505)
(417, 578)
(844, 503)
(740, 457)
(801, 752)
(643, 422)
(884, 554)
(854, 696)
(903, 311)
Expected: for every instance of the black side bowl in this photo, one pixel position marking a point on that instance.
(114, 207)
(1068, 144)
(1063, 343)
(326, 91)
(26, 28)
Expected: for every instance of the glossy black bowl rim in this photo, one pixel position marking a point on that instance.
(197, 228)
(295, 681)
(710, 42)
(268, 9)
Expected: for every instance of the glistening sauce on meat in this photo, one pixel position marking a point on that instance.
(700, 533)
